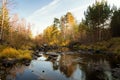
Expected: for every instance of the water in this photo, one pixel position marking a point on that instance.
(64, 67)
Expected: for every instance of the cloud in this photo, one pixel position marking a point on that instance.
(44, 16)
(114, 2)
(38, 18)
(44, 9)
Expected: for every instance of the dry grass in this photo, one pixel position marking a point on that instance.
(25, 54)
(112, 45)
(9, 53)
(13, 53)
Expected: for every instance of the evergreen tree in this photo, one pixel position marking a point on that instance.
(96, 17)
(115, 24)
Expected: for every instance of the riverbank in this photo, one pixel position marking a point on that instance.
(9, 56)
(111, 47)
(65, 67)
(108, 46)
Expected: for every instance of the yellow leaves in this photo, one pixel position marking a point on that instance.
(65, 42)
(64, 34)
(54, 41)
(51, 35)
(70, 19)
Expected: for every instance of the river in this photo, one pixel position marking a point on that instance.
(65, 66)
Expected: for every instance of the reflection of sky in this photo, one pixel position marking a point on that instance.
(78, 74)
(49, 74)
(40, 69)
(26, 75)
(42, 58)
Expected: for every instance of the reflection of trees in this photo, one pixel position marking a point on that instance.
(97, 70)
(55, 65)
(18, 69)
(67, 65)
(10, 73)
(4, 72)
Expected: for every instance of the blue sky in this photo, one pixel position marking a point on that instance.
(27, 7)
(42, 12)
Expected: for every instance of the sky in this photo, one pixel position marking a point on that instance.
(41, 13)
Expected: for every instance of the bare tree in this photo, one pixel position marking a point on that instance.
(2, 22)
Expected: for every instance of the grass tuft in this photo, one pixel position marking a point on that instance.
(13, 53)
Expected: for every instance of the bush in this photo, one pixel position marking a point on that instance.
(9, 53)
(13, 53)
(25, 54)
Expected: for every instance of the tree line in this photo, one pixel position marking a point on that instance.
(100, 22)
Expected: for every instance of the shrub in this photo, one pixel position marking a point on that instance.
(13, 53)
(25, 54)
(9, 53)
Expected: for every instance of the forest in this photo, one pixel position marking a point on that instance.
(98, 30)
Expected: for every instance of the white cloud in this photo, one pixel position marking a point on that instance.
(44, 16)
(57, 8)
(114, 2)
(46, 8)
(41, 16)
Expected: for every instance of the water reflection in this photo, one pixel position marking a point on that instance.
(68, 65)
(65, 67)
(98, 70)
(11, 72)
